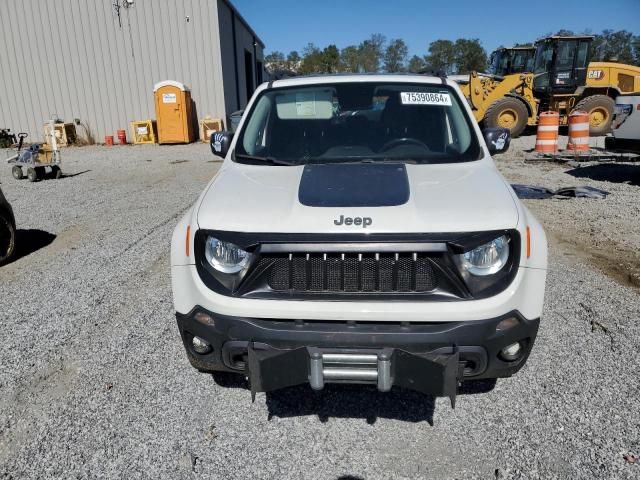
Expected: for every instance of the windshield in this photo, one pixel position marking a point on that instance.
(543, 64)
(503, 63)
(522, 61)
(354, 122)
(494, 63)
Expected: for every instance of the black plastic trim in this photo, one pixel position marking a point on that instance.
(456, 286)
(352, 247)
(477, 340)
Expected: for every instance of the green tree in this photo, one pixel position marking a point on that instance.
(636, 50)
(614, 46)
(395, 56)
(371, 52)
(350, 59)
(311, 60)
(416, 64)
(330, 59)
(441, 55)
(469, 56)
(293, 61)
(274, 61)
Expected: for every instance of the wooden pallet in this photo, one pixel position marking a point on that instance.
(65, 133)
(208, 126)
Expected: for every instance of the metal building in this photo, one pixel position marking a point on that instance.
(98, 60)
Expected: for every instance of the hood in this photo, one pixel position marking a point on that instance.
(439, 198)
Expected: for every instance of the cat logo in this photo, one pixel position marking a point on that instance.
(595, 74)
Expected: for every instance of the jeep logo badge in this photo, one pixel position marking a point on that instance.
(359, 221)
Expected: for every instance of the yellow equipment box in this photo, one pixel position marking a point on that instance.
(144, 131)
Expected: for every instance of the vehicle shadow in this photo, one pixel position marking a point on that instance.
(609, 172)
(30, 241)
(52, 175)
(70, 175)
(351, 401)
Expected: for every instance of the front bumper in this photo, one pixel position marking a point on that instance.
(428, 357)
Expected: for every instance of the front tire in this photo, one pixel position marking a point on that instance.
(7, 239)
(508, 112)
(16, 171)
(32, 175)
(57, 172)
(600, 109)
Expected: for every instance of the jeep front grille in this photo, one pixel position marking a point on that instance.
(350, 272)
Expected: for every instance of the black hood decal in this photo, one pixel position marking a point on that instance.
(354, 185)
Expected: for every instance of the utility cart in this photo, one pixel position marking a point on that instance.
(35, 158)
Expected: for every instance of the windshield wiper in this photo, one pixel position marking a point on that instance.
(367, 160)
(259, 160)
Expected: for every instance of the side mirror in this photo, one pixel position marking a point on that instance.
(497, 139)
(220, 143)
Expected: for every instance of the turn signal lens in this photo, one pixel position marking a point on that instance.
(204, 318)
(506, 324)
(187, 241)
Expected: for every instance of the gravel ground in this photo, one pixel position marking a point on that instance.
(95, 384)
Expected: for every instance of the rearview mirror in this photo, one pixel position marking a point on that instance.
(497, 139)
(220, 143)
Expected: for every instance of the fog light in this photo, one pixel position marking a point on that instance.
(511, 352)
(200, 346)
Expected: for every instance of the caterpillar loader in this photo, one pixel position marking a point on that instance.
(562, 80)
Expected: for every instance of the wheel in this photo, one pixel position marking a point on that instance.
(7, 239)
(600, 109)
(41, 172)
(32, 175)
(16, 171)
(508, 112)
(56, 171)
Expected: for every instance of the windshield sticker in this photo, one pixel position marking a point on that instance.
(306, 104)
(425, 98)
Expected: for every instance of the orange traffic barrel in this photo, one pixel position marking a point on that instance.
(108, 140)
(122, 136)
(578, 131)
(547, 136)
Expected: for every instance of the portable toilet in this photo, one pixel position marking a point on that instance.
(174, 112)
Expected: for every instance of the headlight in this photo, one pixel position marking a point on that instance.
(486, 259)
(225, 256)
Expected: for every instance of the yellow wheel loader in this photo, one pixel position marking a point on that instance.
(562, 80)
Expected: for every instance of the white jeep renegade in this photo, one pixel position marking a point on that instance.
(359, 232)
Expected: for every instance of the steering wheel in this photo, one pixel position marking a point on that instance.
(403, 141)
